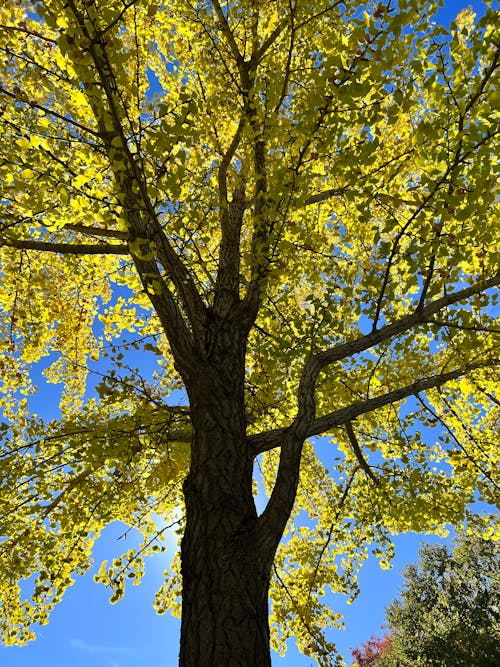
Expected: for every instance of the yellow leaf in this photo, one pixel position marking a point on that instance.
(23, 143)
(80, 180)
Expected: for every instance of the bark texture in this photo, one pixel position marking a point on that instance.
(225, 576)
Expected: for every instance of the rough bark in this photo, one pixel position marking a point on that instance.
(225, 580)
(225, 590)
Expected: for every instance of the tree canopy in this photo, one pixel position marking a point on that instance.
(449, 611)
(289, 210)
(372, 651)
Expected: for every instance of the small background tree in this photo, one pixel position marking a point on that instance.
(372, 651)
(449, 611)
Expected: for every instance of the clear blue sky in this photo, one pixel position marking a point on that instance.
(86, 630)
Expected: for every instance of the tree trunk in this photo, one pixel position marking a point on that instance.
(225, 581)
(225, 599)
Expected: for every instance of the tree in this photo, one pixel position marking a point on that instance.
(372, 651)
(449, 612)
(291, 206)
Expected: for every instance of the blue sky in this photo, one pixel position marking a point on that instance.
(86, 630)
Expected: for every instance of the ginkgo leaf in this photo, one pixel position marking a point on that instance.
(227, 229)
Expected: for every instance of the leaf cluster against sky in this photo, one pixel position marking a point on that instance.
(358, 150)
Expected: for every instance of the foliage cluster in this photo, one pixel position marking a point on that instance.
(292, 205)
(448, 614)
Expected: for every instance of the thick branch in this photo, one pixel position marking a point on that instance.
(226, 29)
(259, 263)
(269, 41)
(313, 366)
(142, 214)
(67, 248)
(268, 440)
(272, 522)
(318, 198)
(98, 231)
(325, 195)
(389, 331)
(231, 216)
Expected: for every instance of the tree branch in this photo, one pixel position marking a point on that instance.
(460, 446)
(231, 217)
(263, 442)
(98, 231)
(462, 327)
(268, 42)
(358, 453)
(325, 195)
(142, 215)
(230, 37)
(273, 519)
(318, 198)
(313, 366)
(67, 248)
(259, 252)
(389, 331)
